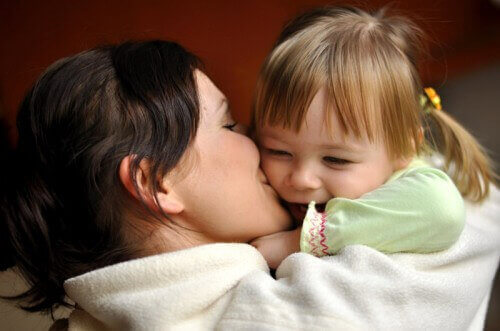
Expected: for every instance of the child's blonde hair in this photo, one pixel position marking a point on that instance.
(367, 64)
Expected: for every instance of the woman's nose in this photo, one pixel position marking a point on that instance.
(304, 178)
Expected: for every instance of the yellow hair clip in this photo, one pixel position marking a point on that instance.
(433, 97)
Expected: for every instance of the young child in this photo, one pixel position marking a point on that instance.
(341, 120)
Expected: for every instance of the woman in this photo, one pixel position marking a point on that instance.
(119, 157)
(127, 154)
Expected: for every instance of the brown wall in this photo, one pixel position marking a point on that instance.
(232, 37)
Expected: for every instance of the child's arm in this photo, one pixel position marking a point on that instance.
(277, 246)
(421, 211)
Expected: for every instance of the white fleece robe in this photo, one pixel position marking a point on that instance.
(228, 287)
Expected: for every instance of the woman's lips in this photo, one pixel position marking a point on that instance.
(265, 182)
(262, 176)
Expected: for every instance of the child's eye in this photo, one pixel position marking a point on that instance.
(277, 152)
(335, 160)
(230, 126)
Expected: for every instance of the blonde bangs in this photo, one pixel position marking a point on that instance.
(373, 90)
(351, 91)
(369, 82)
(290, 78)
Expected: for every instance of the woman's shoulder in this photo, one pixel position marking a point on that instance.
(157, 291)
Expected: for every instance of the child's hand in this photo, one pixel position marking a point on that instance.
(277, 246)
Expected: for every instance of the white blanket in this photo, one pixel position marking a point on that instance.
(227, 287)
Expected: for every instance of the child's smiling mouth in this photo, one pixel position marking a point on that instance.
(298, 210)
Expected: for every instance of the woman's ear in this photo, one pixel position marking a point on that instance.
(168, 201)
(126, 176)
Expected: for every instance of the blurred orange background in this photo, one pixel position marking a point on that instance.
(231, 37)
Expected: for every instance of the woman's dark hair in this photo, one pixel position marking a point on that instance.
(61, 204)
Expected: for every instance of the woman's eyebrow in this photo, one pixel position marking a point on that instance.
(223, 103)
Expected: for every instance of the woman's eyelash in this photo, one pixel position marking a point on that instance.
(331, 159)
(231, 126)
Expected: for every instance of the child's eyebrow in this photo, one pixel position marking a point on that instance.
(271, 135)
(346, 147)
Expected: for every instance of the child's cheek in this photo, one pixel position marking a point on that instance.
(273, 172)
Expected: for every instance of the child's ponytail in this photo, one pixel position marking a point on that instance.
(465, 159)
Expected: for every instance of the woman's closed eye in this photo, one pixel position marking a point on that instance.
(230, 126)
(335, 160)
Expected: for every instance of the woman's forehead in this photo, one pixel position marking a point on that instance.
(212, 100)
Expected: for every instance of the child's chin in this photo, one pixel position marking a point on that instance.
(320, 207)
(298, 212)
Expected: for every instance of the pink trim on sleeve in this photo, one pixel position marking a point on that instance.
(324, 248)
(312, 235)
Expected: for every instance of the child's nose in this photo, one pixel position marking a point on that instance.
(304, 178)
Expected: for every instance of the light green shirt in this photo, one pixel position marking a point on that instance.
(418, 210)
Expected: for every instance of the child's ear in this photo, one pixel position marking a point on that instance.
(401, 163)
(166, 199)
(420, 137)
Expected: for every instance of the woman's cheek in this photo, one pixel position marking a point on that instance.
(245, 140)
